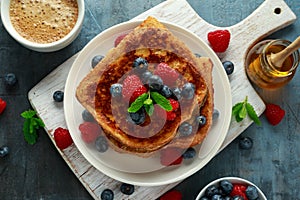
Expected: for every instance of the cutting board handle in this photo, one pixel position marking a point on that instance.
(269, 17)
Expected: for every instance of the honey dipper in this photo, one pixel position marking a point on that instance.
(277, 59)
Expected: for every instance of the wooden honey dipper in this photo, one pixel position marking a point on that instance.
(277, 59)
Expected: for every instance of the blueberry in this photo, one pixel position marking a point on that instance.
(4, 151)
(155, 82)
(96, 59)
(58, 96)
(211, 190)
(227, 198)
(166, 91)
(140, 64)
(127, 189)
(185, 129)
(177, 93)
(216, 114)
(107, 194)
(251, 192)
(145, 76)
(138, 117)
(87, 116)
(188, 91)
(245, 143)
(201, 120)
(226, 187)
(228, 66)
(237, 197)
(101, 144)
(116, 90)
(216, 197)
(10, 79)
(189, 153)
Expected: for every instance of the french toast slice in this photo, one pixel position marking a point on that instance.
(155, 43)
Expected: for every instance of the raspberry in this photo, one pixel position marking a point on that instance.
(219, 40)
(163, 114)
(62, 138)
(170, 156)
(171, 195)
(89, 131)
(2, 105)
(239, 189)
(131, 84)
(166, 73)
(174, 104)
(274, 114)
(119, 39)
(138, 92)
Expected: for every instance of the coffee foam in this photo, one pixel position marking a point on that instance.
(43, 21)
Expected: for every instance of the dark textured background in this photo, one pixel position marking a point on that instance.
(39, 172)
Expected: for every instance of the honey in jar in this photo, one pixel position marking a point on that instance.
(262, 72)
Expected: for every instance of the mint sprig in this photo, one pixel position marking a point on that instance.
(147, 100)
(242, 109)
(30, 126)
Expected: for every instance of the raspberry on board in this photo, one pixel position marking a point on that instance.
(274, 113)
(62, 138)
(219, 40)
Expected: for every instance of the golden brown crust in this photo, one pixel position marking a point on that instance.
(153, 41)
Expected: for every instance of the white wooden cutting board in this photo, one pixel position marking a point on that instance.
(259, 24)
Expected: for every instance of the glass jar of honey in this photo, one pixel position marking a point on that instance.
(262, 72)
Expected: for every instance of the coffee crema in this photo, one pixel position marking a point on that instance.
(43, 21)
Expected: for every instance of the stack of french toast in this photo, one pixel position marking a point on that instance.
(150, 92)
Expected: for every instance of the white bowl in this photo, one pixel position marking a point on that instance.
(47, 47)
(232, 180)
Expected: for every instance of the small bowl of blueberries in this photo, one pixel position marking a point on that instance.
(231, 188)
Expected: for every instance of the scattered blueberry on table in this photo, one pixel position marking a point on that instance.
(245, 143)
(107, 194)
(228, 66)
(10, 79)
(127, 189)
(58, 96)
(4, 151)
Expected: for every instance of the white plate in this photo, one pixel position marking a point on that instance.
(132, 169)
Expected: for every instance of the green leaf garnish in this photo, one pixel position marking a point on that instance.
(30, 126)
(138, 103)
(149, 109)
(242, 109)
(252, 114)
(161, 101)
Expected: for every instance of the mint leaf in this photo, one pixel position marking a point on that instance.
(149, 109)
(243, 112)
(30, 136)
(161, 101)
(28, 114)
(138, 103)
(242, 109)
(236, 108)
(252, 114)
(30, 125)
